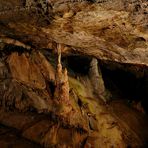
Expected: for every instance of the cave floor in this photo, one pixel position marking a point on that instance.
(12, 124)
(9, 137)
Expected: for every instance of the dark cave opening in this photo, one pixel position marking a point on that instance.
(126, 85)
(77, 64)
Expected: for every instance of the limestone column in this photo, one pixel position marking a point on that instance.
(96, 79)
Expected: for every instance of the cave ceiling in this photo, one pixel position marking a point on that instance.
(112, 30)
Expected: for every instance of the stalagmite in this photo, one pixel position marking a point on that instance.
(61, 95)
(97, 80)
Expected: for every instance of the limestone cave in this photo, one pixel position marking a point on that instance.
(74, 73)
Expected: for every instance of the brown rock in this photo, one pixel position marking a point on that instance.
(24, 70)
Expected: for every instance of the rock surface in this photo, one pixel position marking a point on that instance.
(63, 108)
(109, 30)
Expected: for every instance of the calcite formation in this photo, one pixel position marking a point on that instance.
(43, 98)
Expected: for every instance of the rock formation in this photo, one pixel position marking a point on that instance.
(73, 73)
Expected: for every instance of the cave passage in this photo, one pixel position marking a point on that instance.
(121, 82)
(126, 85)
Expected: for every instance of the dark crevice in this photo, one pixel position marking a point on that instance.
(51, 88)
(8, 49)
(80, 103)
